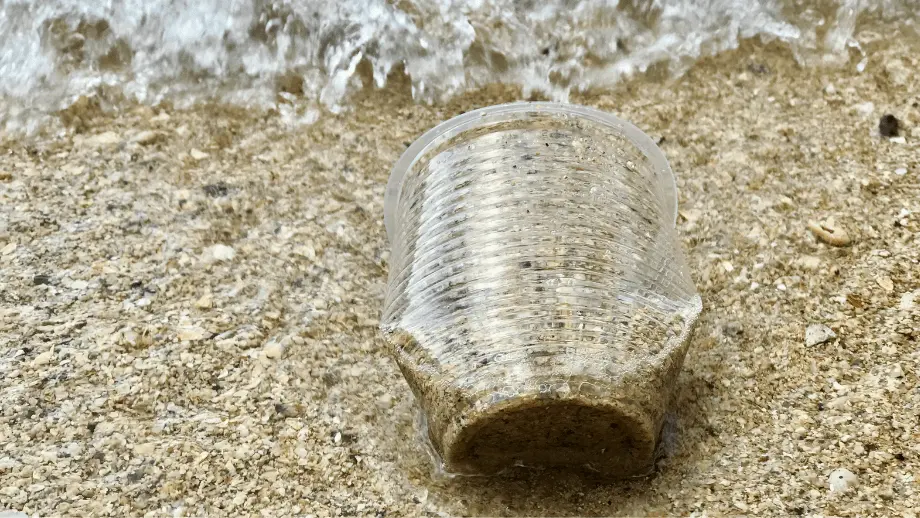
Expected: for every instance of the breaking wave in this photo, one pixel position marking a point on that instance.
(319, 52)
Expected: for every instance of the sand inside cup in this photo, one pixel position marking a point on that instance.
(536, 431)
(538, 304)
(606, 420)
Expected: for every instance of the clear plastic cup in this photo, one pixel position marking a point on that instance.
(538, 303)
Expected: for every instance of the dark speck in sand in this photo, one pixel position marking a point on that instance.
(216, 190)
(733, 329)
(286, 411)
(759, 69)
(889, 125)
(330, 379)
(39, 280)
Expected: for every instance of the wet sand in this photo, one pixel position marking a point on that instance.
(189, 304)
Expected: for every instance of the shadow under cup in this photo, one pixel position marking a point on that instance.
(538, 302)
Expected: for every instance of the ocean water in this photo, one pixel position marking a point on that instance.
(317, 53)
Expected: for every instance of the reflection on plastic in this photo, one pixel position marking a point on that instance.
(538, 304)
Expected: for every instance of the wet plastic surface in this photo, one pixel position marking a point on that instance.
(538, 303)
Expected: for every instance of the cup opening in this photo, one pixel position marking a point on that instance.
(482, 116)
(604, 437)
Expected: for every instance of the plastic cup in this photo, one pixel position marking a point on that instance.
(538, 304)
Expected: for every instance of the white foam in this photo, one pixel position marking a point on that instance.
(53, 51)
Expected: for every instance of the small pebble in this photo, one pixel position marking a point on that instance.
(898, 73)
(191, 333)
(104, 428)
(221, 253)
(889, 125)
(103, 139)
(830, 233)
(841, 480)
(197, 154)
(205, 301)
(145, 449)
(810, 262)
(838, 403)
(886, 283)
(385, 401)
(146, 138)
(901, 171)
(818, 334)
(43, 358)
(865, 109)
(8, 249)
(907, 301)
(273, 350)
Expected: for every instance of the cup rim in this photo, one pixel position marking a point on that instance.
(473, 118)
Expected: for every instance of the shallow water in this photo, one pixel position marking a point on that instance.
(316, 52)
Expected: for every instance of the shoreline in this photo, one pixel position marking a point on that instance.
(192, 298)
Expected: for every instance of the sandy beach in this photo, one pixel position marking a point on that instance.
(189, 303)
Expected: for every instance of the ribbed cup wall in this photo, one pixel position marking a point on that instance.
(534, 261)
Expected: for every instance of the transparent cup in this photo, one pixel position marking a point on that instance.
(538, 304)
